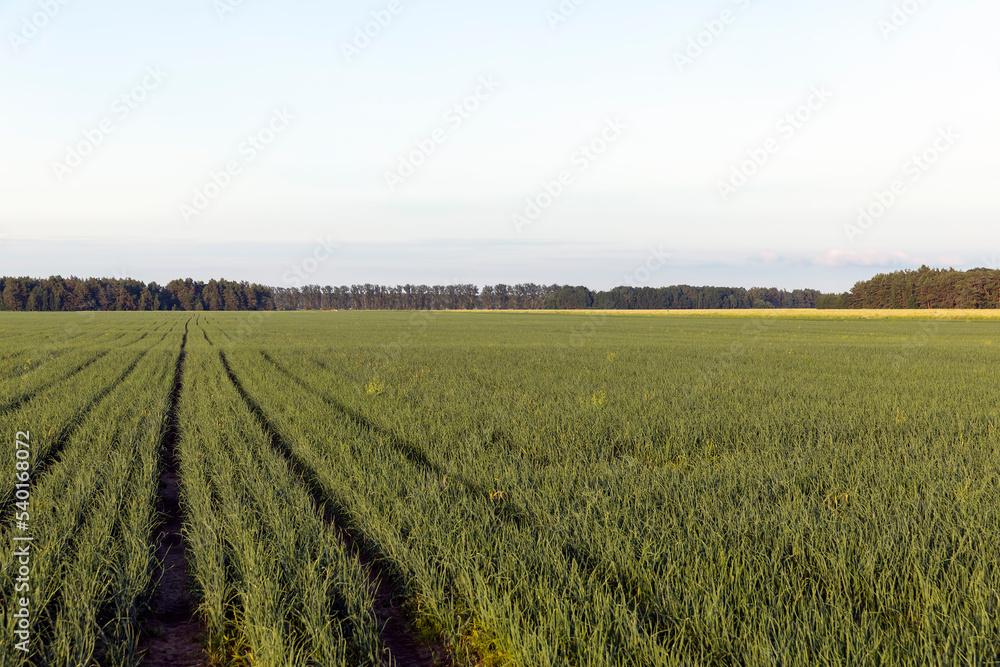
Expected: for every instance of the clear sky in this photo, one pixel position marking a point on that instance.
(236, 139)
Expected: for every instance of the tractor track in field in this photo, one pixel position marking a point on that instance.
(175, 641)
(28, 396)
(205, 334)
(572, 550)
(409, 450)
(69, 429)
(397, 632)
(24, 398)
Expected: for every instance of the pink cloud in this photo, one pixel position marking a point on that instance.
(837, 258)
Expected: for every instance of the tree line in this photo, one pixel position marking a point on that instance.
(926, 288)
(71, 294)
(529, 296)
(921, 288)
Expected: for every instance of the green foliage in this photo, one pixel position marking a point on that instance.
(124, 294)
(95, 437)
(543, 489)
(277, 585)
(929, 288)
(833, 301)
(661, 491)
(74, 294)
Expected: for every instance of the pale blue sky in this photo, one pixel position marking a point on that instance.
(342, 126)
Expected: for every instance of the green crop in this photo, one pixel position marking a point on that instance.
(540, 490)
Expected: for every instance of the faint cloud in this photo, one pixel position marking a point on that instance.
(837, 258)
(767, 257)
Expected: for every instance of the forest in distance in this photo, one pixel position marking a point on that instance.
(924, 288)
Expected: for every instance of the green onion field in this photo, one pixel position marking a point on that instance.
(540, 489)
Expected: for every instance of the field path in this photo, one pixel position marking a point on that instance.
(17, 402)
(67, 431)
(176, 631)
(205, 334)
(397, 634)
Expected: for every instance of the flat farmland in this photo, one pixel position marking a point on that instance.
(479, 488)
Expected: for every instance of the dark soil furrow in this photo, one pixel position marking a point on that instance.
(583, 556)
(205, 334)
(411, 451)
(68, 430)
(397, 629)
(171, 620)
(24, 398)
